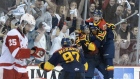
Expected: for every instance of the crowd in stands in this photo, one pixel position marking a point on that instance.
(49, 30)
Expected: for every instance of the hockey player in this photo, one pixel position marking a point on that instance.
(71, 60)
(105, 35)
(108, 49)
(15, 51)
(89, 45)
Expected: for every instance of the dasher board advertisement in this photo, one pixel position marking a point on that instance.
(120, 72)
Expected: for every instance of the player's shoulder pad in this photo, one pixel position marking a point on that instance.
(89, 20)
(13, 32)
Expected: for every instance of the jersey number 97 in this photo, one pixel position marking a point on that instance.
(71, 56)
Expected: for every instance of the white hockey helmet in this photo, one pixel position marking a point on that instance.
(29, 19)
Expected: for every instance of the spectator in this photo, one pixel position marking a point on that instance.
(125, 4)
(98, 3)
(124, 31)
(40, 40)
(5, 4)
(117, 48)
(118, 16)
(127, 13)
(135, 20)
(14, 23)
(124, 60)
(132, 53)
(76, 11)
(62, 31)
(3, 31)
(91, 9)
(2, 21)
(55, 18)
(132, 4)
(109, 11)
(40, 14)
(74, 5)
(133, 41)
(124, 39)
(7, 26)
(39, 9)
(56, 30)
(133, 33)
(137, 4)
(132, 58)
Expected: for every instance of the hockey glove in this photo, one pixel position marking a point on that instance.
(41, 65)
(111, 26)
(39, 52)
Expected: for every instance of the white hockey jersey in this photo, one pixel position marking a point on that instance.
(14, 51)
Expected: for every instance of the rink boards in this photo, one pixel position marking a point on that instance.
(120, 72)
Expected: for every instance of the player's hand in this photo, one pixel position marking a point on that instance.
(112, 26)
(101, 35)
(39, 52)
(41, 65)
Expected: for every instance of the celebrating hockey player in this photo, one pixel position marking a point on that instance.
(71, 60)
(89, 44)
(15, 51)
(106, 48)
(103, 32)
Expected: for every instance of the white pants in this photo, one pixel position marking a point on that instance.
(1, 73)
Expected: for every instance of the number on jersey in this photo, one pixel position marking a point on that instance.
(12, 42)
(71, 56)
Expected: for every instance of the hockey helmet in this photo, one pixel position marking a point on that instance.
(83, 27)
(28, 19)
(97, 12)
(65, 42)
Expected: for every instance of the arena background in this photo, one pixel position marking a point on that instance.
(127, 54)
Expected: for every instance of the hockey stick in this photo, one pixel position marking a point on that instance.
(123, 20)
(56, 70)
(31, 62)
